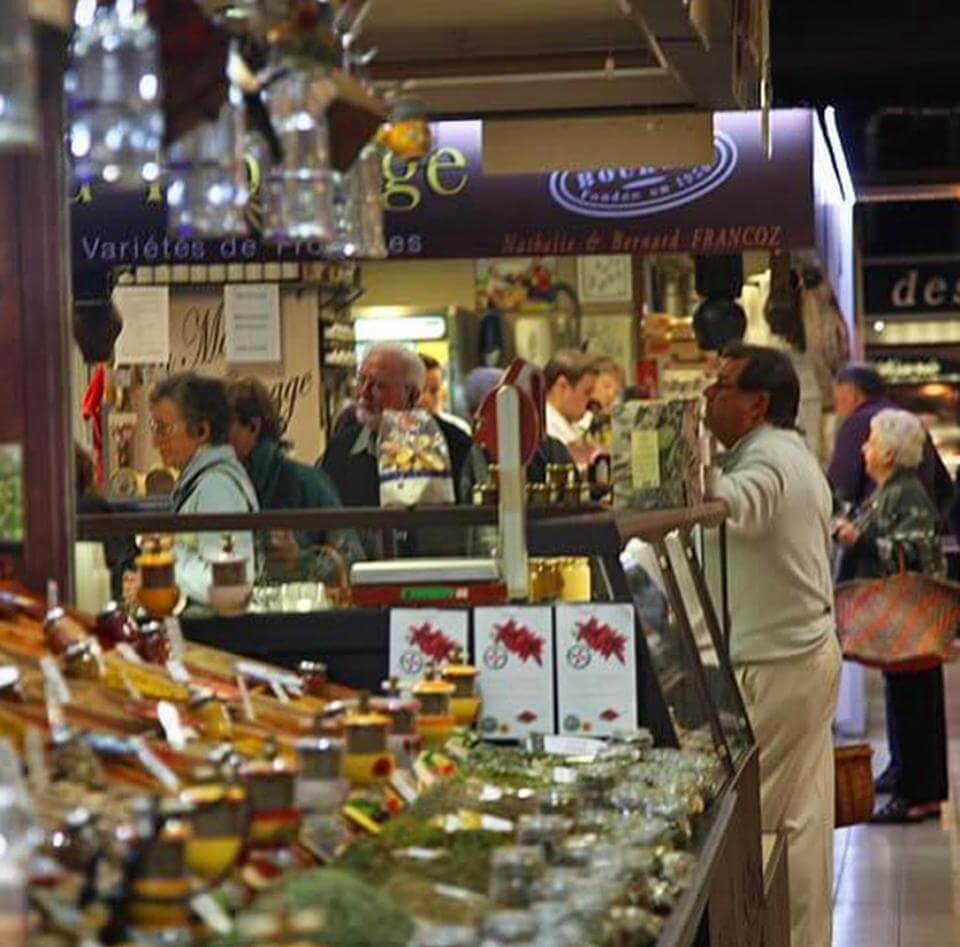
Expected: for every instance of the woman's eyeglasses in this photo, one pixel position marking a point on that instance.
(163, 428)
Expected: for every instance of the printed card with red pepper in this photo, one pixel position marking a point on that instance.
(514, 647)
(423, 636)
(596, 669)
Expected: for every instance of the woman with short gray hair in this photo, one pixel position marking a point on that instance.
(898, 529)
(900, 435)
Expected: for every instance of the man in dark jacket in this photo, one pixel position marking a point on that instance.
(391, 379)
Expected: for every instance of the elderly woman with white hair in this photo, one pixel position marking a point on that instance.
(897, 528)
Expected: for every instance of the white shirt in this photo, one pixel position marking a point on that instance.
(560, 428)
(778, 544)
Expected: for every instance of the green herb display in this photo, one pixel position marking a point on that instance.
(356, 915)
(465, 860)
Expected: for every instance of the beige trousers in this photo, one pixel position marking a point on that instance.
(791, 705)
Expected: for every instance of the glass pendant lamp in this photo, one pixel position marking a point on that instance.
(113, 94)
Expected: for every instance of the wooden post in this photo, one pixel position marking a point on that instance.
(34, 338)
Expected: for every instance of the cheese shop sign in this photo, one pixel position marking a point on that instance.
(444, 206)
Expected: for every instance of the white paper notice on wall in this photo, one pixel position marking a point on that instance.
(422, 636)
(145, 337)
(596, 669)
(251, 322)
(514, 647)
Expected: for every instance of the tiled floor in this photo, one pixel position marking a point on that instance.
(899, 886)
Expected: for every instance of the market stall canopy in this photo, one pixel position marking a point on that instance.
(560, 55)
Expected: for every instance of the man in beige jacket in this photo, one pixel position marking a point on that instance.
(783, 642)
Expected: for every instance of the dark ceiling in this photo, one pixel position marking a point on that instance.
(857, 52)
(892, 70)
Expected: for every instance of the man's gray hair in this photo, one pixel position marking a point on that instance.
(901, 434)
(415, 373)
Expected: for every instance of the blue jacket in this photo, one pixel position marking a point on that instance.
(214, 481)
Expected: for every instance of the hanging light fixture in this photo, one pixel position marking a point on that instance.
(299, 188)
(114, 94)
(208, 182)
(18, 97)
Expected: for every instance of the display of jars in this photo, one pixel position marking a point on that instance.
(367, 757)
(218, 818)
(465, 701)
(158, 592)
(230, 589)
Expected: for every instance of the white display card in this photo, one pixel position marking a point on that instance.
(421, 636)
(514, 647)
(596, 669)
(145, 337)
(251, 322)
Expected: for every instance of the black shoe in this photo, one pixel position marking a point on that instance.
(886, 782)
(895, 812)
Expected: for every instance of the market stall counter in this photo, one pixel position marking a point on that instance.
(647, 569)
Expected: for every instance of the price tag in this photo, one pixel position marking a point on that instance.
(178, 671)
(596, 669)
(169, 718)
(125, 650)
(154, 765)
(209, 910)
(514, 648)
(37, 773)
(54, 680)
(178, 647)
(278, 690)
(249, 714)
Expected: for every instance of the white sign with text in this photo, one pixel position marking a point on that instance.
(145, 337)
(514, 647)
(251, 318)
(596, 669)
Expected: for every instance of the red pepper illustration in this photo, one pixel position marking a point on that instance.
(603, 639)
(432, 642)
(609, 714)
(519, 640)
(526, 716)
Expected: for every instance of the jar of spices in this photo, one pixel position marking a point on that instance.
(212, 716)
(313, 674)
(152, 643)
(513, 871)
(114, 626)
(517, 928)
(81, 663)
(158, 593)
(546, 831)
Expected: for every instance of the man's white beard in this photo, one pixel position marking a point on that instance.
(368, 419)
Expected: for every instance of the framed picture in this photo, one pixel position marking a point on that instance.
(605, 279)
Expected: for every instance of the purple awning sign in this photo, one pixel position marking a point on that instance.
(443, 206)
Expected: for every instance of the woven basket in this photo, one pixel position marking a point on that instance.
(854, 784)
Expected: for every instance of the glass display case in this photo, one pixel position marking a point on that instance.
(686, 693)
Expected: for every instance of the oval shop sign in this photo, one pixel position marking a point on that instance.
(638, 192)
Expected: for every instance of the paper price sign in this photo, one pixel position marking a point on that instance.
(423, 636)
(596, 669)
(514, 651)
